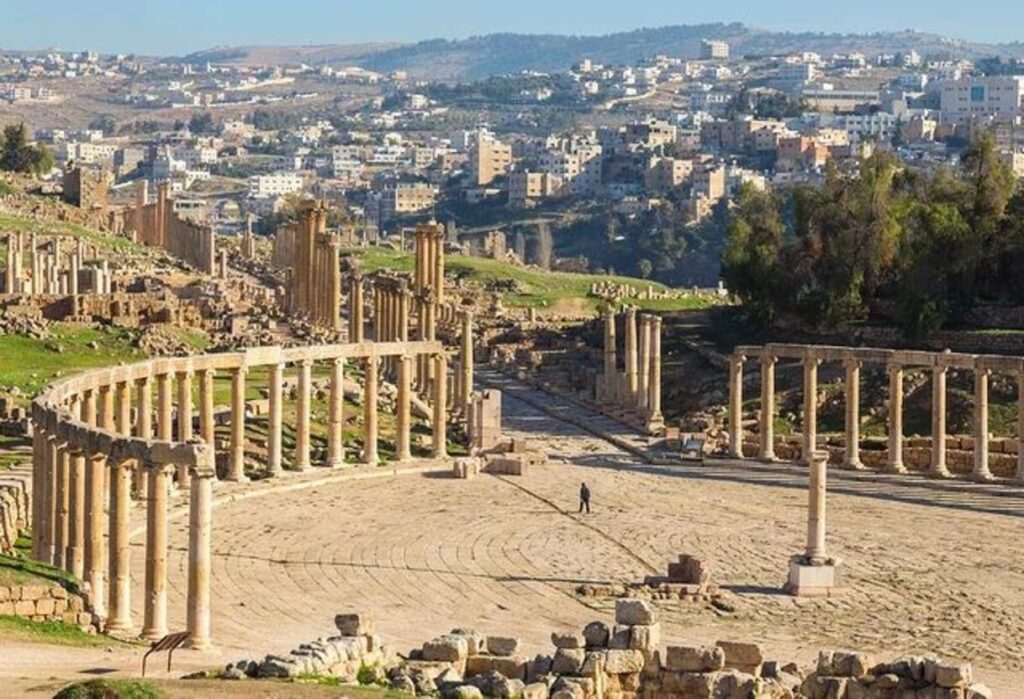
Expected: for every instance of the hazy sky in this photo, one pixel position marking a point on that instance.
(179, 26)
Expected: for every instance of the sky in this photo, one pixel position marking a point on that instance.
(176, 27)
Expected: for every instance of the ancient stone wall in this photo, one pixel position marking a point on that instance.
(14, 511)
(156, 225)
(45, 603)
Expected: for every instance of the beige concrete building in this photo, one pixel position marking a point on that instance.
(406, 198)
(980, 97)
(663, 174)
(489, 158)
(524, 187)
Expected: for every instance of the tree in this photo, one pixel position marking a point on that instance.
(645, 268)
(752, 255)
(104, 123)
(18, 155)
(201, 123)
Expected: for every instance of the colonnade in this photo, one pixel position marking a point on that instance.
(429, 267)
(313, 257)
(637, 389)
(896, 363)
(52, 272)
(156, 224)
(94, 447)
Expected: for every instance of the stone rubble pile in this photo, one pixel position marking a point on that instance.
(624, 660)
(687, 579)
(342, 656)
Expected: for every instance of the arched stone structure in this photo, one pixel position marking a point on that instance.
(91, 441)
(896, 362)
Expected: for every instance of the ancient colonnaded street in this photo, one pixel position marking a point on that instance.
(926, 564)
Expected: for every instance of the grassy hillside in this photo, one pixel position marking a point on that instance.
(542, 289)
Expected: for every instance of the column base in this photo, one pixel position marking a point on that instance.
(335, 463)
(122, 627)
(854, 465)
(895, 468)
(199, 644)
(656, 424)
(768, 458)
(809, 579)
(236, 479)
(939, 472)
(153, 634)
(983, 477)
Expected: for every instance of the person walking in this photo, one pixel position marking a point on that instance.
(584, 498)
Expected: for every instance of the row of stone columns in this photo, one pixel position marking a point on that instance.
(429, 267)
(81, 523)
(638, 388)
(50, 274)
(852, 370)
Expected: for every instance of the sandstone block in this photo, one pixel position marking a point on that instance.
(568, 640)
(503, 646)
(619, 662)
(746, 657)
(7, 608)
(619, 639)
(645, 637)
(594, 663)
(449, 648)
(843, 664)
(513, 667)
(465, 691)
(33, 592)
(354, 624)
(568, 661)
(476, 642)
(978, 691)
(535, 690)
(24, 608)
(504, 688)
(45, 607)
(694, 659)
(596, 634)
(952, 674)
(629, 612)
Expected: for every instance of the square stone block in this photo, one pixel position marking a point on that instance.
(806, 580)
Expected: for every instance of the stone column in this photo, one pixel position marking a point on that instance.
(164, 408)
(38, 486)
(95, 568)
(236, 465)
(816, 552)
(852, 459)
(439, 267)
(981, 469)
(336, 416)
(275, 418)
(440, 439)
(302, 409)
(184, 421)
(120, 618)
(768, 407)
(155, 598)
(609, 356)
(75, 555)
(143, 430)
(403, 413)
(810, 426)
(370, 456)
(60, 540)
(466, 363)
(334, 272)
(896, 419)
(355, 331)
(644, 373)
(200, 521)
(51, 507)
(655, 420)
(736, 406)
(632, 381)
(938, 465)
(207, 424)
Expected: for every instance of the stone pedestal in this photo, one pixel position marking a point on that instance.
(810, 579)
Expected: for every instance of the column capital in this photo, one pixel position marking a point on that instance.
(811, 360)
(853, 362)
(768, 359)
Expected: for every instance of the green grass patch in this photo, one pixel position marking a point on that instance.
(14, 223)
(21, 570)
(56, 633)
(31, 364)
(111, 689)
(537, 288)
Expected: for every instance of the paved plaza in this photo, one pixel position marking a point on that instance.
(929, 566)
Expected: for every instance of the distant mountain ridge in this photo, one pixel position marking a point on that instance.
(495, 54)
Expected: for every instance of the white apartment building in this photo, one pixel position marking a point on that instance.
(993, 96)
(274, 185)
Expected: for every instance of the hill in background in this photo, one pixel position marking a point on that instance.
(495, 54)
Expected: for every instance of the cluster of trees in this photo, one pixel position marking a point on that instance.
(890, 242)
(18, 155)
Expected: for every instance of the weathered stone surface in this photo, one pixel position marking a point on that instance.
(449, 648)
(567, 661)
(476, 642)
(952, 675)
(354, 624)
(535, 690)
(504, 646)
(618, 662)
(464, 691)
(645, 637)
(633, 611)
(843, 664)
(514, 667)
(747, 657)
(568, 640)
(619, 638)
(505, 688)
(596, 634)
(694, 659)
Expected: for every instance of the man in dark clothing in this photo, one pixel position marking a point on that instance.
(584, 498)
